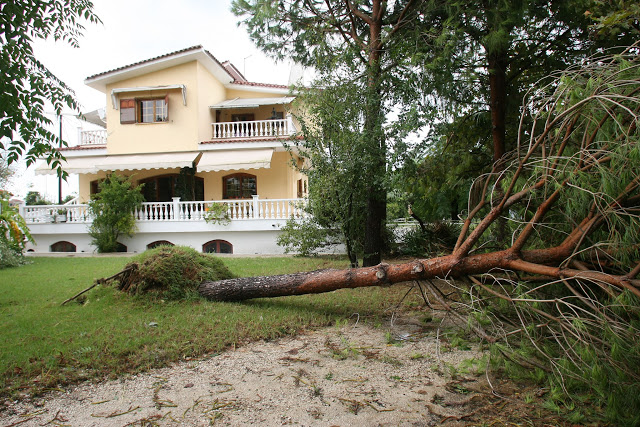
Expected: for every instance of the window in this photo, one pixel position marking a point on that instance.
(239, 186)
(63, 246)
(217, 247)
(159, 243)
(144, 110)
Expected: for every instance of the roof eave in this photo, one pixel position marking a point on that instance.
(281, 90)
(100, 81)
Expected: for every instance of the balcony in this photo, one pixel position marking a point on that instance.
(254, 129)
(196, 211)
(92, 137)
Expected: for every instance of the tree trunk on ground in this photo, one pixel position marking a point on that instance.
(314, 282)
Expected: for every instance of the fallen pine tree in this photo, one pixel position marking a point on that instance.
(571, 189)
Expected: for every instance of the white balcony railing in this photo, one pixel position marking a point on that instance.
(252, 129)
(55, 213)
(236, 210)
(93, 137)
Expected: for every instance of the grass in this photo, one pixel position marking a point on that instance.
(45, 345)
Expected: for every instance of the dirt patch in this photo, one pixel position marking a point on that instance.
(355, 375)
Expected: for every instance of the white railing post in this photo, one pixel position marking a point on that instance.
(255, 213)
(176, 208)
(290, 127)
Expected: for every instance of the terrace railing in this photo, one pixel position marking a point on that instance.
(253, 129)
(93, 137)
(234, 210)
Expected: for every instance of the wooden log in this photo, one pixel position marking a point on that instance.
(319, 281)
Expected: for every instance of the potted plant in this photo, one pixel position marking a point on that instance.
(61, 215)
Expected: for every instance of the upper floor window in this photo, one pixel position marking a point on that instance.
(239, 186)
(144, 110)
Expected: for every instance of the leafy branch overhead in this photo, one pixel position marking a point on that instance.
(32, 88)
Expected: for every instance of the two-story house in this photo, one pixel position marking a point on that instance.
(195, 132)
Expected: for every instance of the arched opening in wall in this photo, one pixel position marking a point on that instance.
(217, 247)
(121, 247)
(159, 243)
(63, 246)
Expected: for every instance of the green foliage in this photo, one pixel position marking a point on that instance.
(14, 234)
(335, 150)
(616, 21)
(307, 237)
(9, 256)
(32, 88)
(35, 198)
(173, 272)
(436, 239)
(217, 213)
(466, 44)
(575, 185)
(113, 212)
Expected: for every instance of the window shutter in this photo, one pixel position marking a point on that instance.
(127, 111)
(166, 105)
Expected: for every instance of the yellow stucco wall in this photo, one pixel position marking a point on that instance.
(280, 181)
(186, 126)
(210, 92)
(277, 182)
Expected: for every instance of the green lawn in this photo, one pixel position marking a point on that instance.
(45, 345)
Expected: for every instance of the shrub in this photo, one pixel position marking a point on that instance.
(112, 209)
(436, 238)
(9, 256)
(172, 272)
(14, 234)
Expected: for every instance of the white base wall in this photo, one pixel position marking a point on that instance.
(246, 237)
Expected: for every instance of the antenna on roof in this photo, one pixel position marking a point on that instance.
(244, 65)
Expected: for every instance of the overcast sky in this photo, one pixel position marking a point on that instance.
(134, 30)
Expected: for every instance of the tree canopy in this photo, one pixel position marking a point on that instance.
(28, 87)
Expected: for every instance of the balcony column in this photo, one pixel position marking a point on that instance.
(21, 208)
(176, 208)
(256, 207)
(290, 124)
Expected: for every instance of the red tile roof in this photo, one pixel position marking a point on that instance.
(233, 71)
(237, 82)
(227, 66)
(135, 64)
(249, 140)
(83, 147)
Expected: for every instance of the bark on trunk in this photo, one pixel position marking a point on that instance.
(320, 281)
(497, 63)
(376, 199)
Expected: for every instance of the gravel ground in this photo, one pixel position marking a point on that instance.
(348, 376)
